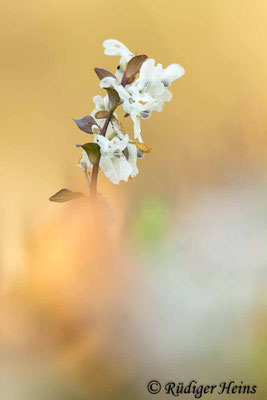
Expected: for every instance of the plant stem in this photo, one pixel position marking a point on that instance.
(105, 127)
(93, 188)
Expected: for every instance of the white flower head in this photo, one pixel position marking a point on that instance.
(115, 48)
(101, 103)
(154, 80)
(113, 162)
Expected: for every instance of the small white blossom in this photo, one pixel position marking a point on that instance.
(101, 103)
(113, 162)
(115, 48)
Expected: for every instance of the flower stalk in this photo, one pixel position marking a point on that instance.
(93, 188)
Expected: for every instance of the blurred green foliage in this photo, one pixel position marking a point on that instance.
(151, 219)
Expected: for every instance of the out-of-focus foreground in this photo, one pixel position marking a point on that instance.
(166, 281)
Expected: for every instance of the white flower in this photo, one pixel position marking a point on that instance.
(101, 103)
(137, 104)
(155, 80)
(115, 48)
(113, 163)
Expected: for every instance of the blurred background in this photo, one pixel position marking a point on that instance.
(173, 287)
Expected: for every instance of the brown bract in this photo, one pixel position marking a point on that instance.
(132, 69)
(103, 73)
(101, 114)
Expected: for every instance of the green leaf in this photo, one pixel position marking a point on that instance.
(65, 195)
(93, 152)
(132, 69)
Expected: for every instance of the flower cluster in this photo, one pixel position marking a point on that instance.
(140, 86)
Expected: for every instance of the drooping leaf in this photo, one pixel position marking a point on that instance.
(93, 152)
(86, 123)
(102, 114)
(132, 69)
(103, 73)
(64, 195)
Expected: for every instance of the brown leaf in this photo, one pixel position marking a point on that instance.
(85, 123)
(101, 114)
(114, 98)
(103, 73)
(143, 147)
(132, 69)
(64, 195)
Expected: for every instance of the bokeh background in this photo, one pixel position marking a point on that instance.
(167, 281)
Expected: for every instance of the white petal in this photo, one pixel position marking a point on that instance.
(173, 72)
(159, 108)
(147, 68)
(123, 142)
(132, 158)
(103, 142)
(137, 127)
(122, 167)
(108, 169)
(98, 100)
(119, 74)
(107, 82)
(115, 43)
(166, 96)
(158, 88)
